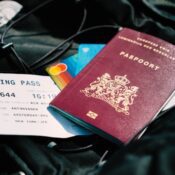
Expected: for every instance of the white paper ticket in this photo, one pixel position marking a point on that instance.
(24, 101)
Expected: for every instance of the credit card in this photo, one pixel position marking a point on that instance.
(86, 52)
(63, 71)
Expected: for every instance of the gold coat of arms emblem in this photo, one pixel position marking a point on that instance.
(116, 92)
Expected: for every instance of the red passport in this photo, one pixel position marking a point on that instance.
(123, 88)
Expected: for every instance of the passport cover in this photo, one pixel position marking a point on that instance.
(123, 88)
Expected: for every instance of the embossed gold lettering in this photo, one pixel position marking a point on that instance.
(139, 60)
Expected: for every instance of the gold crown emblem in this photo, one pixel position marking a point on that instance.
(121, 79)
(115, 92)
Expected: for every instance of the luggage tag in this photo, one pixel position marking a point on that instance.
(8, 10)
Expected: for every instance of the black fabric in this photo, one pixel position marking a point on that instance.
(36, 35)
(33, 155)
(149, 16)
(154, 153)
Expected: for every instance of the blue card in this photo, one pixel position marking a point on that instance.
(63, 71)
(86, 52)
